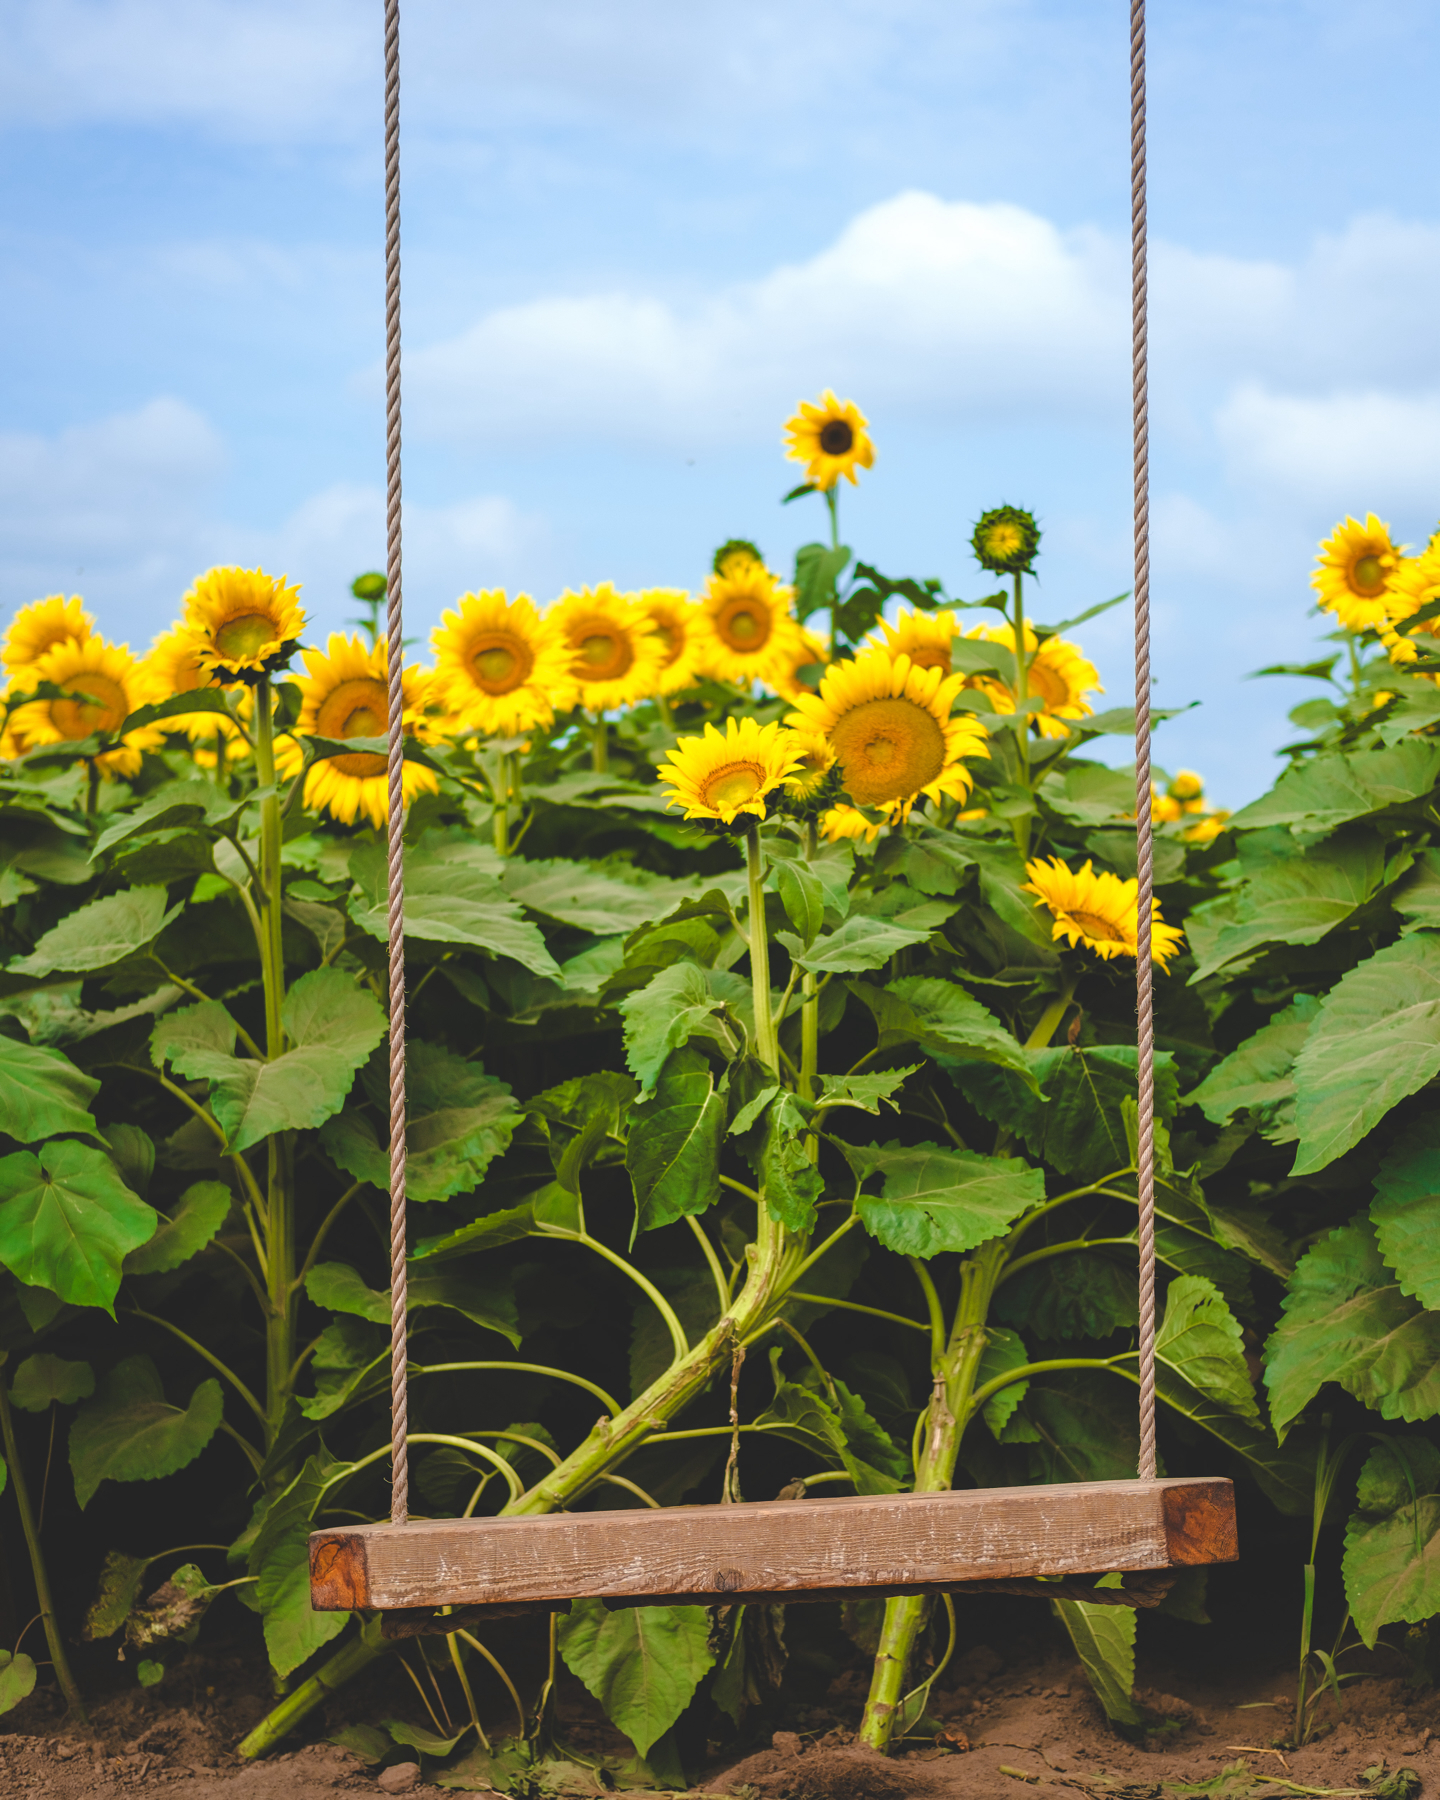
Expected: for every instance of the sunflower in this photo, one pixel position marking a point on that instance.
(498, 664)
(1165, 809)
(890, 727)
(344, 694)
(847, 822)
(1353, 573)
(673, 615)
(1100, 911)
(745, 631)
(1206, 830)
(174, 667)
(113, 684)
(1413, 583)
(1006, 541)
(41, 626)
(1057, 673)
(615, 658)
(245, 623)
(924, 637)
(815, 784)
(723, 774)
(830, 439)
(804, 652)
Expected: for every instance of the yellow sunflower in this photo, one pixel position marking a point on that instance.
(745, 631)
(804, 651)
(41, 626)
(174, 667)
(816, 759)
(1165, 809)
(890, 727)
(245, 623)
(830, 439)
(1098, 910)
(673, 616)
(1207, 829)
(1413, 583)
(1353, 573)
(112, 684)
(846, 822)
(924, 637)
(499, 665)
(723, 774)
(615, 658)
(344, 694)
(1058, 673)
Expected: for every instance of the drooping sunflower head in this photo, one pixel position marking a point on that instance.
(745, 629)
(498, 664)
(924, 637)
(108, 684)
(1353, 571)
(1098, 910)
(245, 623)
(815, 785)
(829, 436)
(724, 777)
(344, 693)
(673, 617)
(42, 625)
(1057, 673)
(1006, 540)
(890, 727)
(804, 667)
(734, 550)
(615, 657)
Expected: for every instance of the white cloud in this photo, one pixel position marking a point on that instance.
(1345, 450)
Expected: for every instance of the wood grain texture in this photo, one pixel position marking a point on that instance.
(779, 1548)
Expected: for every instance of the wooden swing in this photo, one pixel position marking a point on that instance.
(1041, 1541)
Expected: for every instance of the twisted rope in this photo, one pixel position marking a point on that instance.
(1144, 844)
(399, 1399)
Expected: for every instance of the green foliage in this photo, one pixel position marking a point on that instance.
(129, 1432)
(932, 1199)
(199, 1213)
(101, 933)
(279, 1558)
(17, 1678)
(1392, 1542)
(642, 1663)
(67, 1221)
(673, 1149)
(1078, 1126)
(43, 1381)
(1104, 1640)
(42, 1093)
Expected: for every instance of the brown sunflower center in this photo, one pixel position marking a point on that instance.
(744, 624)
(669, 636)
(1102, 930)
(931, 656)
(246, 635)
(602, 649)
(500, 661)
(837, 437)
(1048, 683)
(105, 710)
(732, 785)
(357, 708)
(1367, 576)
(889, 749)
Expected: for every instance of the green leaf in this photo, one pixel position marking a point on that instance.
(775, 1146)
(1346, 1319)
(200, 1212)
(859, 943)
(1417, 898)
(835, 1426)
(67, 1221)
(1392, 1544)
(674, 1006)
(451, 897)
(280, 1558)
(133, 1153)
(1376, 1040)
(1087, 1425)
(17, 1679)
(1406, 1210)
(1200, 1338)
(1104, 1640)
(936, 1199)
(115, 1594)
(44, 1381)
(642, 1663)
(1285, 1473)
(1397, 1472)
(817, 568)
(101, 933)
(1088, 793)
(673, 1152)
(605, 901)
(488, 1303)
(1083, 1295)
(942, 1017)
(368, 1742)
(129, 1432)
(1331, 789)
(1259, 1075)
(582, 1119)
(1004, 1350)
(865, 1092)
(42, 1093)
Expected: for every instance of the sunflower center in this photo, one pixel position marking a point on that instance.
(1053, 689)
(837, 437)
(1098, 928)
(1003, 540)
(1367, 576)
(603, 650)
(500, 661)
(245, 636)
(744, 624)
(889, 748)
(357, 708)
(930, 656)
(105, 711)
(670, 637)
(733, 785)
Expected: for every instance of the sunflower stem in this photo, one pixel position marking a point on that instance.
(502, 809)
(766, 1047)
(1022, 696)
(600, 746)
(810, 1011)
(1048, 1022)
(832, 502)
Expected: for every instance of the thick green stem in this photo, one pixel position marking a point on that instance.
(358, 1654)
(1021, 825)
(766, 1046)
(502, 808)
(832, 502)
(37, 1563)
(600, 746)
(1049, 1020)
(810, 1014)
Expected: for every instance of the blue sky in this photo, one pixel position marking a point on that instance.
(636, 233)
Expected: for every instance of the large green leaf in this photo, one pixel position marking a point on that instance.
(775, 1146)
(942, 1017)
(674, 1006)
(1406, 1210)
(280, 1558)
(1004, 1351)
(488, 1303)
(129, 1432)
(451, 897)
(1260, 1075)
(42, 1093)
(605, 901)
(859, 943)
(1200, 1338)
(44, 1381)
(1346, 1319)
(934, 1198)
(101, 933)
(1392, 1544)
(199, 1213)
(17, 1678)
(835, 1426)
(673, 1152)
(67, 1221)
(1331, 789)
(1104, 1640)
(1088, 793)
(1285, 1472)
(1085, 1426)
(1083, 1295)
(1376, 1040)
(642, 1663)
(1417, 899)
(583, 1120)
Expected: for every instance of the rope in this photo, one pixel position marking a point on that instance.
(394, 647)
(1144, 845)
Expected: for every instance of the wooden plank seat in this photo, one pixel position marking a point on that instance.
(780, 1550)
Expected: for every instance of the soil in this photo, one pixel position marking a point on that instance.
(1018, 1721)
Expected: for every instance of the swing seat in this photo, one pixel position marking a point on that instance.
(781, 1550)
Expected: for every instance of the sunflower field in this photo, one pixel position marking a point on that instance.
(770, 961)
